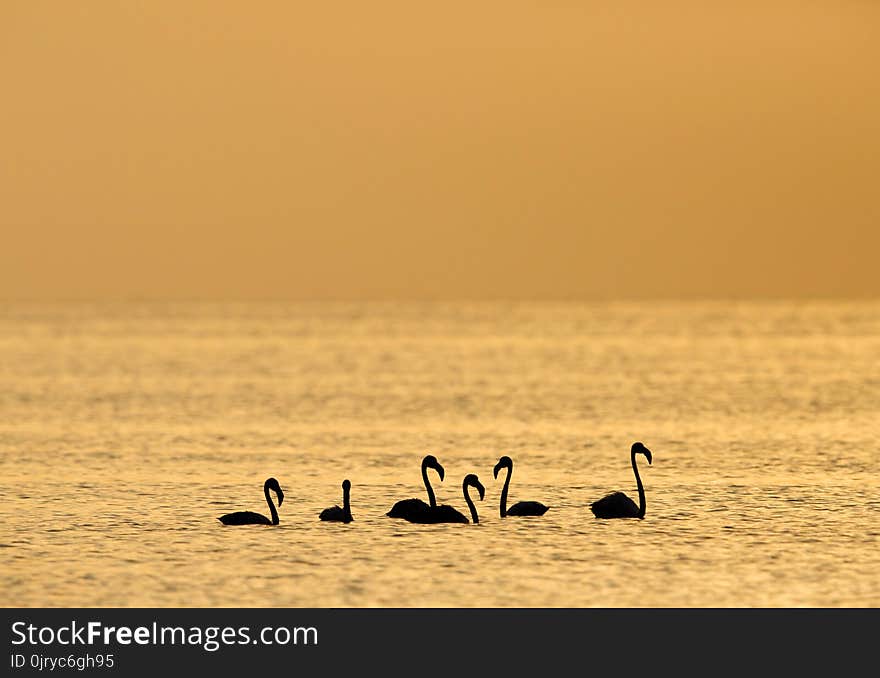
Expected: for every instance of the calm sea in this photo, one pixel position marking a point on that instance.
(126, 430)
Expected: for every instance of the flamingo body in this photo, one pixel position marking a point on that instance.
(335, 514)
(520, 508)
(412, 509)
(617, 504)
(251, 518)
(447, 514)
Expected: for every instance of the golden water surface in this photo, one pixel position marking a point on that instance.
(127, 429)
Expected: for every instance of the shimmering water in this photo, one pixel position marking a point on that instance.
(125, 430)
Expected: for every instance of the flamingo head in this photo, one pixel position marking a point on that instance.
(504, 462)
(638, 448)
(431, 462)
(472, 480)
(273, 485)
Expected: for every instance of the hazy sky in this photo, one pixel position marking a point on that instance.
(224, 149)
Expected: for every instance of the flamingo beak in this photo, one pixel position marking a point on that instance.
(495, 471)
(648, 454)
(280, 496)
(440, 472)
(481, 490)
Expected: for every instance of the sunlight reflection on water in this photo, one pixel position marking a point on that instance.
(127, 429)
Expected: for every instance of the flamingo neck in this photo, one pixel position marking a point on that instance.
(642, 503)
(431, 499)
(272, 509)
(346, 506)
(467, 498)
(503, 506)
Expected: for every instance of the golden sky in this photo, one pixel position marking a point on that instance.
(461, 150)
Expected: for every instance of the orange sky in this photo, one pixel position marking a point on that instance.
(534, 150)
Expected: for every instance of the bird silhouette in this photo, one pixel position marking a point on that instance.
(251, 518)
(336, 514)
(521, 508)
(617, 504)
(409, 507)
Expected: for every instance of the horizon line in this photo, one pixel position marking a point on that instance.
(133, 299)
